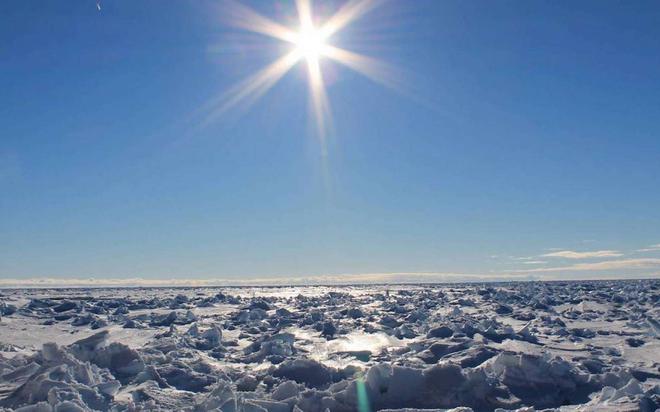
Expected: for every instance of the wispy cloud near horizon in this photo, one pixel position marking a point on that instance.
(651, 248)
(570, 254)
(603, 266)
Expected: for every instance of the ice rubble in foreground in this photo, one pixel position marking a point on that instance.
(572, 346)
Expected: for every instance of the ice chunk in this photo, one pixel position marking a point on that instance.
(440, 332)
(285, 390)
(307, 371)
(212, 335)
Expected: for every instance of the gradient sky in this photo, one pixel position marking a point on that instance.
(526, 142)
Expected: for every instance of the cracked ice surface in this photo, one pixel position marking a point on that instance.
(564, 346)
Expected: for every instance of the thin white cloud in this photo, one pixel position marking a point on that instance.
(651, 248)
(603, 266)
(534, 262)
(570, 254)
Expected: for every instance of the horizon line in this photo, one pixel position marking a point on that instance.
(368, 279)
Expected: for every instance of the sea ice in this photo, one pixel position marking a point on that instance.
(556, 346)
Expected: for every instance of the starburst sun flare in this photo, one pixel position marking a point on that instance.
(309, 44)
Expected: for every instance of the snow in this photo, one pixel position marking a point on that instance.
(562, 346)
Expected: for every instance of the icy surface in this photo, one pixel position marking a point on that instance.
(563, 346)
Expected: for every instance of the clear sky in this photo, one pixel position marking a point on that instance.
(524, 140)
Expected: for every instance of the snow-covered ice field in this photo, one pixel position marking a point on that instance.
(566, 346)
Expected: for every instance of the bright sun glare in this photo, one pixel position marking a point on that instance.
(310, 44)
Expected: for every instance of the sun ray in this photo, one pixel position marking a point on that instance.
(311, 46)
(380, 72)
(374, 69)
(346, 14)
(318, 97)
(305, 14)
(244, 17)
(250, 89)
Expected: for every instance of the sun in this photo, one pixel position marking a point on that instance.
(310, 44)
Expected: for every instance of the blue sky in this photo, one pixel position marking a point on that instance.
(526, 142)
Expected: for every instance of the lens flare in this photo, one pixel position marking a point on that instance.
(310, 44)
